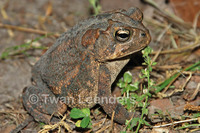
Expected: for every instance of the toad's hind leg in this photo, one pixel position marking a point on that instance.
(38, 102)
(110, 106)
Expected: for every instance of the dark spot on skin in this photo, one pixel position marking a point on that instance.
(143, 34)
(101, 92)
(117, 109)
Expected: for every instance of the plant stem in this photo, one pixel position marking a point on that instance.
(146, 100)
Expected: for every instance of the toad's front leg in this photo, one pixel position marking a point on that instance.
(104, 93)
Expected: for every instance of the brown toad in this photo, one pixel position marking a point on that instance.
(83, 63)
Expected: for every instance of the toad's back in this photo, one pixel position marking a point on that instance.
(68, 68)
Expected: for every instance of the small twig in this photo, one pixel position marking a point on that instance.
(174, 44)
(97, 124)
(177, 122)
(196, 21)
(176, 90)
(179, 50)
(129, 121)
(194, 130)
(156, 55)
(112, 118)
(6, 17)
(47, 128)
(103, 129)
(195, 92)
(15, 112)
(182, 88)
(164, 67)
(27, 30)
(163, 33)
(172, 121)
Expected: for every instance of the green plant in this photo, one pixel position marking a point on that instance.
(22, 49)
(127, 87)
(132, 99)
(150, 84)
(84, 114)
(95, 6)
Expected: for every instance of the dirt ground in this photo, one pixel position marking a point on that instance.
(15, 72)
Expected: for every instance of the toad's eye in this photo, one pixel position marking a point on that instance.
(122, 35)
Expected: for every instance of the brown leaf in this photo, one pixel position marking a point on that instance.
(167, 107)
(187, 9)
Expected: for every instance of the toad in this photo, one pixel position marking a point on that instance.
(79, 69)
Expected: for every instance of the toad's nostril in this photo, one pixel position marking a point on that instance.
(143, 34)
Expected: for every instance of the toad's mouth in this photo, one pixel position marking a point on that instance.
(121, 55)
(124, 52)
